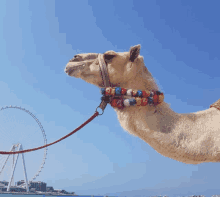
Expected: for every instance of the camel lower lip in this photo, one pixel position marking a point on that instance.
(70, 72)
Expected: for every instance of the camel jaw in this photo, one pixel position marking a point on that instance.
(74, 68)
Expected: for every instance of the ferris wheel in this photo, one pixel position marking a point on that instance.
(19, 129)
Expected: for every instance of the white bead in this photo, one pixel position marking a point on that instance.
(129, 92)
(126, 103)
(152, 93)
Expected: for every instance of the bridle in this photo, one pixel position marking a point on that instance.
(113, 95)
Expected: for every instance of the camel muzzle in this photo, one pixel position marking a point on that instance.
(73, 69)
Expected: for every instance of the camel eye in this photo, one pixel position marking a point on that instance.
(109, 57)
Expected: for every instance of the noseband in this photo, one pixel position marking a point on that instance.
(104, 71)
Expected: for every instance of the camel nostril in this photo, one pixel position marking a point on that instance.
(66, 70)
(76, 58)
(69, 71)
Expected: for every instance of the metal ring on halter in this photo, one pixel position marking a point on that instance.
(102, 106)
(98, 112)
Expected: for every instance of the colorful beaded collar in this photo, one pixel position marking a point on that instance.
(114, 96)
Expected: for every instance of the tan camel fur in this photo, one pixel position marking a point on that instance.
(189, 138)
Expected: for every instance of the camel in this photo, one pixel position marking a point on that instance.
(191, 138)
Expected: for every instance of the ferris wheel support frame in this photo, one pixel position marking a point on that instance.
(44, 138)
(19, 147)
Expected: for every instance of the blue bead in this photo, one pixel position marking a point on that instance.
(132, 101)
(158, 92)
(139, 93)
(103, 91)
(150, 100)
(118, 91)
(151, 94)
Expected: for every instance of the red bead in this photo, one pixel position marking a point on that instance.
(114, 103)
(143, 101)
(117, 103)
(155, 98)
(146, 93)
(123, 91)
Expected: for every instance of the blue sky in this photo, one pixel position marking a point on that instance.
(180, 43)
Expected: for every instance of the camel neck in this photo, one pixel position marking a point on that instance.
(160, 119)
(174, 135)
(142, 81)
(155, 128)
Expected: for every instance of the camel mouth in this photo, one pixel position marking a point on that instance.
(78, 63)
(74, 68)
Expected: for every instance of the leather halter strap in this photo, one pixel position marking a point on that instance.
(104, 71)
(105, 78)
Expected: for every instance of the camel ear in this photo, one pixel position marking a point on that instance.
(134, 52)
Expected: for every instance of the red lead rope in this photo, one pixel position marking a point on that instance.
(74, 131)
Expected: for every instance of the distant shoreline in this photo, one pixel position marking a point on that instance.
(39, 193)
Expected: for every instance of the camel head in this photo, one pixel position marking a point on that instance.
(122, 67)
